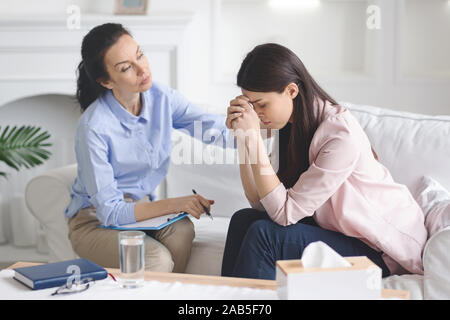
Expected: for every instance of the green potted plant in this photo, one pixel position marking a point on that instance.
(23, 147)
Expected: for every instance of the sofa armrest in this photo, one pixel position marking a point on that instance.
(47, 196)
(436, 264)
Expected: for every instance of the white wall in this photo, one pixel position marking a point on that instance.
(404, 65)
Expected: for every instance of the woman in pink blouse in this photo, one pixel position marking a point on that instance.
(329, 185)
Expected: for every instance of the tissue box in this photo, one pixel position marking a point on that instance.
(362, 280)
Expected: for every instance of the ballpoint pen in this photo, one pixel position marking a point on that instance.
(204, 208)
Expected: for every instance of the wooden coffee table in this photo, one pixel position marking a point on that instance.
(218, 281)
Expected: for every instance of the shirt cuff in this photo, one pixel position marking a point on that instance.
(272, 200)
(127, 215)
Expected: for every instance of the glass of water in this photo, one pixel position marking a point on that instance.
(132, 262)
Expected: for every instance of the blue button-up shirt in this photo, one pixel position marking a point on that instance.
(119, 153)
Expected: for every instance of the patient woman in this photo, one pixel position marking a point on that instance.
(328, 185)
(123, 146)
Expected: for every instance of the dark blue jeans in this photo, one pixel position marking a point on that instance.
(254, 244)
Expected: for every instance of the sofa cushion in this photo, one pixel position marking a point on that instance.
(208, 246)
(410, 145)
(434, 200)
(436, 262)
(47, 196)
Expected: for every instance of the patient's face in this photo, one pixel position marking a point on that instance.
(127, 66)
(273, 108)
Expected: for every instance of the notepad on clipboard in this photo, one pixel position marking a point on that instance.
(150, 224)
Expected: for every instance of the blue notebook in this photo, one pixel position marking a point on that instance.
(150, 224)
(56, 274)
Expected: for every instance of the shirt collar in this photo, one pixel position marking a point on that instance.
(122, 114)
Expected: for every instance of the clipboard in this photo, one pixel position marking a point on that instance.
(149, 224)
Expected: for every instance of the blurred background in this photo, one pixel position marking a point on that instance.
(388, 53)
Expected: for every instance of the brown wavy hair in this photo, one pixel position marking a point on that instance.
(271, 67)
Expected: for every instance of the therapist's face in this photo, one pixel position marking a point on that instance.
(127, 66)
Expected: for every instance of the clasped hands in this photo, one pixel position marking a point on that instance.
(243, 120)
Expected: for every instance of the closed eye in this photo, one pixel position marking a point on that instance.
(141, 54)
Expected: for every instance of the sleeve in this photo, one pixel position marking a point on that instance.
(333, 164)
(206, 127)
(97, 175)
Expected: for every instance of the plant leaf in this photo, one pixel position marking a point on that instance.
(24, 146)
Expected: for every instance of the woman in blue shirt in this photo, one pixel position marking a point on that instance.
(123, 146)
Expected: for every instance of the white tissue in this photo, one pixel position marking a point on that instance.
(319, 255)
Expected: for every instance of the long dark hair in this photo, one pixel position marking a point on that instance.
(92, 65)
(270, 68)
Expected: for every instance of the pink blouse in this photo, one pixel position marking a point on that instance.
(347, 190)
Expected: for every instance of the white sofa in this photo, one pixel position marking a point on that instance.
(409, 145)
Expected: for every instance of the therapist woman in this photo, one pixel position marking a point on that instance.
(123, 146)
(328, 185)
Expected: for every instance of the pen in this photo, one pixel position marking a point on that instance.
(204, 208)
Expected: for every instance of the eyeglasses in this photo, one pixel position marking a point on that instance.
(74, 287)
(77, 286)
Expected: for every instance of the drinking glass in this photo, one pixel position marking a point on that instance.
(132, 262)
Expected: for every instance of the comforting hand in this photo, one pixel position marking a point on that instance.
(192, 204)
